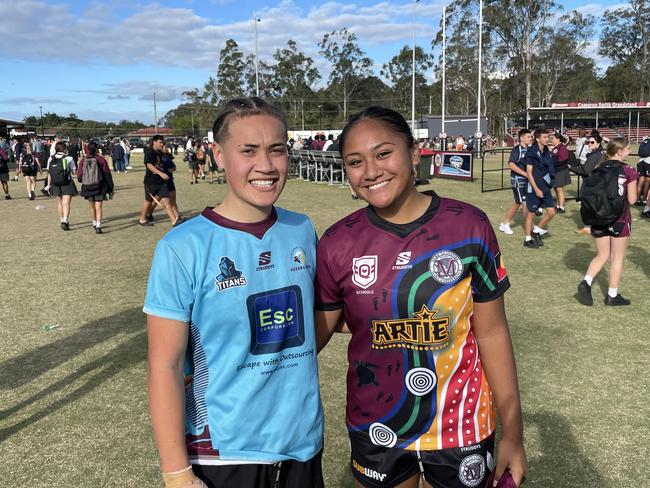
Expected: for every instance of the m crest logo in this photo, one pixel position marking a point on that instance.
(472, 470)
(446, 267)
(364, 271)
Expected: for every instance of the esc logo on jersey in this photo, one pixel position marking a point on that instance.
(364, 271)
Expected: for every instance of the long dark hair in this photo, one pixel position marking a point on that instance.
(239, 108)
(389, 117)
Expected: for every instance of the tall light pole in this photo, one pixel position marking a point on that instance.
(480, 59)
(256, 19)
(320, 124)
(42, 129)
(444, 64)
(413, 77)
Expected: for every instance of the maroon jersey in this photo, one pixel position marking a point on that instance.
(415, 378)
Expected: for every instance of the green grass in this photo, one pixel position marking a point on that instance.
(73, 408)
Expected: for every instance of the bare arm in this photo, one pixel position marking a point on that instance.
(497, 356)
(327, 322)
(632, 192)
(165, 382)
(516, 169)
(155, 170)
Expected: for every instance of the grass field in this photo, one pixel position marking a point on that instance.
(73, 408)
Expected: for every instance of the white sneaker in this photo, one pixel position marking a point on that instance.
(505, 228)
(539, 230)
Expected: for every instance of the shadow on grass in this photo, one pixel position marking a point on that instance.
(639, 256)
(578, 258)
(27, 367)
(562, 462)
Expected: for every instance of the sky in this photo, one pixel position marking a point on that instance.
(103, 59)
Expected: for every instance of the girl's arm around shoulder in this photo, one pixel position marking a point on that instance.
(497, 356)
(327, 322)
(167, 341)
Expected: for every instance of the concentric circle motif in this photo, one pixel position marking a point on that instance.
(380, 435)
(420, 381)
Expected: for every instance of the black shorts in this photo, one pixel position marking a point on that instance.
(171, 186)
(643, 168)
(60, 190)
(617, 229)
(287, 474)
(193, 165)
(96, 198)
(385, 467)
(158, 191)
(519, 186)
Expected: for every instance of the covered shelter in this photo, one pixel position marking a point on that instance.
(612, 119)
(6, 126)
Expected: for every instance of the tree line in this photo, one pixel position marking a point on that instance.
(534, 53)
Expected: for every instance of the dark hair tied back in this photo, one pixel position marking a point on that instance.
(393, 119)
(238, 108)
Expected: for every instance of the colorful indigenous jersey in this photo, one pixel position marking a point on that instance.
(415, 379)
(252, 391)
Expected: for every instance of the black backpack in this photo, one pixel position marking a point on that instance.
(59, 171)
(28, 165)
(573, 161)
(601, 202)
(644, 149)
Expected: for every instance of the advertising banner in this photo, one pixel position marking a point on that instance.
(453, 165)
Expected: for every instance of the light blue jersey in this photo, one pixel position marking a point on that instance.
(252, 391)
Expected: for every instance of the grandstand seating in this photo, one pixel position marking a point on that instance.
(318, 166)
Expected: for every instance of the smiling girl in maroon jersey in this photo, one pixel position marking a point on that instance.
(419, 281)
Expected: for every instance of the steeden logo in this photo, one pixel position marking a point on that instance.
(264, 261)
(403, 261)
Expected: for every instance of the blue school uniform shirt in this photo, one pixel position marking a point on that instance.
(252, 391)
(542, 163)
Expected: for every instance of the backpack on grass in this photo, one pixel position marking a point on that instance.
(59, 171)
(601, 202)
(92, 174)
(28, 164)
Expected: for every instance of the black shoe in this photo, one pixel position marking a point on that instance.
(146, 223)
(65, 226)
(31, 195)
(539, 211)
(98, 230)
(45, 192)
(560, 210)
(584, 294)
(149, 218)
(7, 197)
(191, 182)
(639, 203)
(644, 215)
(531, 244)
(537, 237)
(179, 221)
(617, 301)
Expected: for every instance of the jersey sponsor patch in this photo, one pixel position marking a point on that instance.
(298, 259)
(446, 267)
(472, 470)
(276, 320)
(364, 271)
(403, 261)
(229, 276)
(424, 331)
(264, 261)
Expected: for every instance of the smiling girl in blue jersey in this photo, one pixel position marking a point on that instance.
(233, 380)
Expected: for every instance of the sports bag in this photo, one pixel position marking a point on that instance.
(601, 202)
(92, 174)
(28, 164)
(644, 149)
(59, 171)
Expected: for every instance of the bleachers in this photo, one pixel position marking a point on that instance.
(317, 166)
(607, 132)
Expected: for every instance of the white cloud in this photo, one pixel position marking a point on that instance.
(178, 36)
